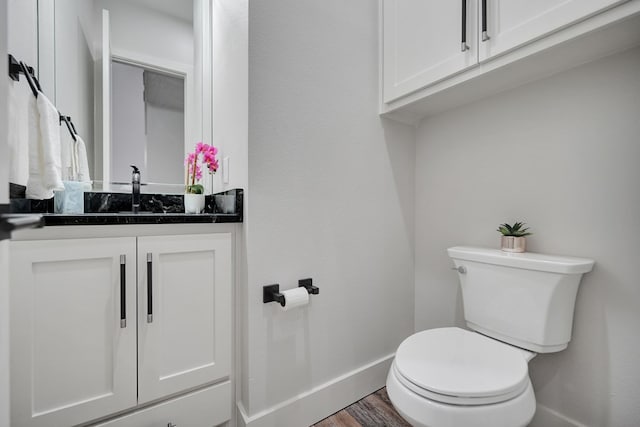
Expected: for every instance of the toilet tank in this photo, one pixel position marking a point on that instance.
(524, 299)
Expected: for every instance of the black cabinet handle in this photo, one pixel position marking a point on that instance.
(149, 287)
(485, 35)
(123, 291)
(464, 46)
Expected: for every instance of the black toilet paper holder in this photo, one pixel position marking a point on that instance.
(271, 293)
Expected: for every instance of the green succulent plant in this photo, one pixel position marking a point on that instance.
(515, 230)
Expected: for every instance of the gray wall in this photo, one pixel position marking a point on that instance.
(165, 158)
(4, 113)
(74, 75)
(331, 189)
(561, 154)
(146, 134)
(128, 127)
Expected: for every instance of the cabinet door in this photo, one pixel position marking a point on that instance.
(511, 23)
(184, 312)
(72, 359)
(422, 43)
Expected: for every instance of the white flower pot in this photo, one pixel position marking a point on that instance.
(193, 203)
(513, 244)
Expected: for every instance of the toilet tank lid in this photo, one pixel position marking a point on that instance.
(526, 260)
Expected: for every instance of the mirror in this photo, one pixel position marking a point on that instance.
(86, 50)
(147, 123)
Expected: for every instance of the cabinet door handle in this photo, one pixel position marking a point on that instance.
(123, 291)
(149, 287)
(464, 46)
(485, 35)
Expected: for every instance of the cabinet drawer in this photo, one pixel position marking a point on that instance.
(203, 408)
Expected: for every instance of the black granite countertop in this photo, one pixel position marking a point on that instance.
(139, 218)
(114, 209)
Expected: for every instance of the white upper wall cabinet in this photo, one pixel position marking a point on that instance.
(423, 43)
(438, 54)
(511, 23)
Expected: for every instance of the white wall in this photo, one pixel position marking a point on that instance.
(230, 89)
(230, 104)
(141, 31)
(128, 136)
(561, 154)
(22, 21)
(331, 187)
(4, 113)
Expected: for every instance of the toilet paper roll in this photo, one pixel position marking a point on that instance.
(293, 298)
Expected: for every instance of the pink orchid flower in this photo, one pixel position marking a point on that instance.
(194, 169)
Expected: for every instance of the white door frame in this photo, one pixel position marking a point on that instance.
(4, 245)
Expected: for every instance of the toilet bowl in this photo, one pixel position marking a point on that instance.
(515, 304)
(453, 377)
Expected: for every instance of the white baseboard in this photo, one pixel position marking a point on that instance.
(547, 417)
(323, 400)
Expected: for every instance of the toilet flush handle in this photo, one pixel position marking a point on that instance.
(462, 269)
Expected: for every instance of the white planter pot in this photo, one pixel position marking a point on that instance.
(513, 244)
(193, 203)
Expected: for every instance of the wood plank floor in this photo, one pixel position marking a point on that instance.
(374, 410)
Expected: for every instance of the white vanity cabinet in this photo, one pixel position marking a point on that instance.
(427, 42)
(104, 325)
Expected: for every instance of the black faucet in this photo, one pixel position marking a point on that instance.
(135, 189)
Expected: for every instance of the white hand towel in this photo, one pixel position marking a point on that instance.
(35, 189)
(18, 132)
(67, 150)
(50, 143)
(44, 149)
(82, 160)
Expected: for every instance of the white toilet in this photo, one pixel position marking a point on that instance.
(517, 305)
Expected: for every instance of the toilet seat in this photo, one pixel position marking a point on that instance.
(455, 366)
(423, 412)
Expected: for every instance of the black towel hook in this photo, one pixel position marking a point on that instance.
(14, 68)
(26, 73)
(67, 121)
(72, 125)
(32, 73)
(18, 67)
